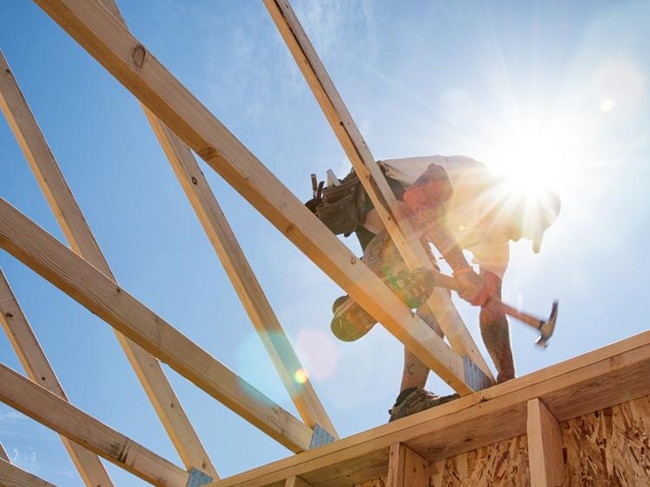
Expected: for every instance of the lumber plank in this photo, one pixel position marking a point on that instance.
(545, 458)
(98, 293)
(12, 476)
(59, 415)
(102, 35)
(237, 268)
(243, 278)
(570, 389)
(406, 468)
(369, 173)
(78, 233)
(3, 454)
(38, 368)
(296, 482)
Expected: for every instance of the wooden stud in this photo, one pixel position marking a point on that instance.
(545, 458)
(81, 239)
(406, 468)
(97, 292)
(33, 359)
(102, 35)
(49, 409)
(296, 482)
(12, 476)
(370, 175)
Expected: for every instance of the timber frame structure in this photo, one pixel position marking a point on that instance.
(581, 422)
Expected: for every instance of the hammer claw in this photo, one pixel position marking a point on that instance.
(547, 328)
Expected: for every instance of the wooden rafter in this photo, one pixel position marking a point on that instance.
(238, 270)
(59, 415)
(38, 368)
(12, 476)
(102, 35)
(570, 389)
(370, 175)
(80, 236)
(80, 280)
(242, 277)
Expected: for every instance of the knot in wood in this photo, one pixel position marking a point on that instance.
(138, 54)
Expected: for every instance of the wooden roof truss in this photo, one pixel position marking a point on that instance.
(185, 127)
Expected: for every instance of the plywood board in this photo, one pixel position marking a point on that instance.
(610, 447)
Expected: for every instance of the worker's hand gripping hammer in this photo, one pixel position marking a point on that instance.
(545, 327)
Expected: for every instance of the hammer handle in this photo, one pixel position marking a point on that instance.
(449, 282)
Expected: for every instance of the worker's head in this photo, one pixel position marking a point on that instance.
(531, 213)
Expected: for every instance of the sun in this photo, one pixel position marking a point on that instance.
(532, 160)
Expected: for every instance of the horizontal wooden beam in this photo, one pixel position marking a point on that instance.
(577, 387)
(73, 275)
(105, 38)
(59, 415)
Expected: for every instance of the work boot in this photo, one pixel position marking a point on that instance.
(414, 399)
(351, 321)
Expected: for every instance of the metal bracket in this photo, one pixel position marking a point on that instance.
(320, 437)
(474, 376)
(197, 478)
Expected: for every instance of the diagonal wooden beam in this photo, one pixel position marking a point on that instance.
(80, 236)
(243, 278)
(239, 271)
(3, 454)
(369, 173)
(59, 415)
(102, 35)
(12, 476)
(80, 280)
(38, 368)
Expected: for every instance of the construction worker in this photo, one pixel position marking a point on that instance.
(457, 204)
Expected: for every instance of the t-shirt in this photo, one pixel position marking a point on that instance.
(470, 211)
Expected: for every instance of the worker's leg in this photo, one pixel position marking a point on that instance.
(495, 332)
(415, 373)
(413, 397)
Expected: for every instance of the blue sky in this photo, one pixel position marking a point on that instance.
(554, 91)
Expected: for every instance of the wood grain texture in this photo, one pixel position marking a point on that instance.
(12, 476)
(544, 446)
(406, 468)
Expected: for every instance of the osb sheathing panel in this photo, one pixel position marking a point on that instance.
(607, 448)
(501, 464)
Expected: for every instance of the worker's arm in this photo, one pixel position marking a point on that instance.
(426, 198)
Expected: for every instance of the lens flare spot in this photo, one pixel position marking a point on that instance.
(607, 105)
(318, 353)
(300, 376)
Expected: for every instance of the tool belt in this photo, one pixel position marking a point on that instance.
(341, 207)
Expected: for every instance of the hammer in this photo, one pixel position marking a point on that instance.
(545, 327)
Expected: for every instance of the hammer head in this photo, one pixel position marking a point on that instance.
(548, 327)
